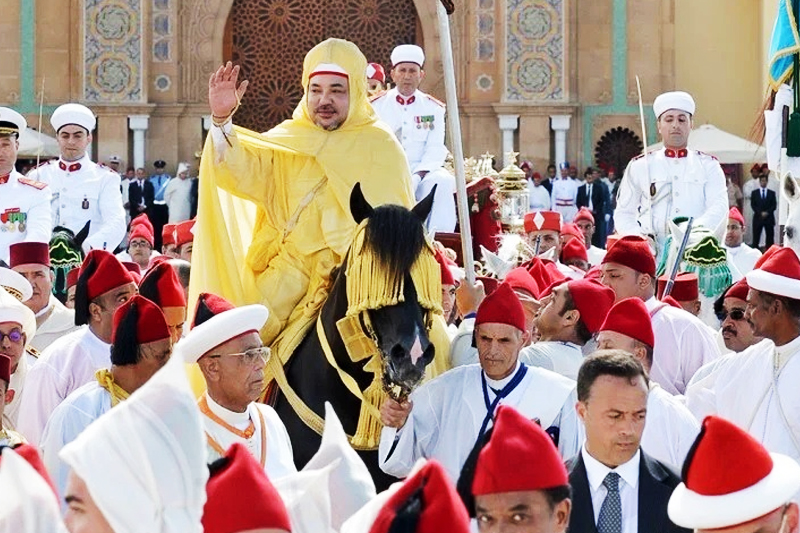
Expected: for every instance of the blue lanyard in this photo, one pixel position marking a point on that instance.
(505, 391)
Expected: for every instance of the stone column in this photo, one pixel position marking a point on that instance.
(508, 125)
(138, 124)
(560, 125)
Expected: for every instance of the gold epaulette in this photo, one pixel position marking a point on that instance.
(33, 352)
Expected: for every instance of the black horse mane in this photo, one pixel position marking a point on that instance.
(396, 237)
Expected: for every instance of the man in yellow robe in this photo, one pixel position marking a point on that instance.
(278, 247)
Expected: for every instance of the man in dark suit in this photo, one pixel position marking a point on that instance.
(616, 487)
(764, 202)
(140, 194)
(594, 196)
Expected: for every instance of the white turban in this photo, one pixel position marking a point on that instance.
(29, 504)
(77, 114)
(680, 100)
(408, 53)
(144, 462)
(12, 310)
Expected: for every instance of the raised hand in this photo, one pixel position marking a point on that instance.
(223, 94)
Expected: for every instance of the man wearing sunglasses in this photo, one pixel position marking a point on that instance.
(17, 328)
(225, 343)
(736, 331)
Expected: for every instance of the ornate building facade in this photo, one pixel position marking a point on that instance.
(552, 79)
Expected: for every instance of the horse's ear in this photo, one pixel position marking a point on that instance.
(791, 191)
(423, 208)
(359, 207)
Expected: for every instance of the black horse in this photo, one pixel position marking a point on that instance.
(396, 236)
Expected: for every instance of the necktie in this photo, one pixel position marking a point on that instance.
(763, 194)
(589, 197)
(610, 519)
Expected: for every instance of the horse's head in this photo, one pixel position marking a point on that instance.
(394, 287)
(791, 192)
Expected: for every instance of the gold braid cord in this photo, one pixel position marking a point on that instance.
(368, 287)
(106, 380)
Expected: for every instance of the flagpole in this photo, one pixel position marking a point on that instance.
(454, 125)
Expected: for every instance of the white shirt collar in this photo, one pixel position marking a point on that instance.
(499, 384)
(230, 417)
(651, 303)
(785, 352)
(596, 471)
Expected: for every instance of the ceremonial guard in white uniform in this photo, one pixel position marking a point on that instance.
(82, 191)
(673, 181)
(24, 202)
(417, 120)
(564, 195)
(445, 417)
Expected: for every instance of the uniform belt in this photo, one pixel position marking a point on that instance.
(159, 202)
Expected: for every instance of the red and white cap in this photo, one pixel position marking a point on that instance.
(328, 68)
(543, 221)
(216, 321)
(735, 214)
(729, 478)
(631, 318)
(779, 274)
(499, 468)
(375, 72)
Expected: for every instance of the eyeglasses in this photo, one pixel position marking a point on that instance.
(249, 357)
(735, 314)
(15, 335)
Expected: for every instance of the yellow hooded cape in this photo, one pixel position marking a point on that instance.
(273, 215)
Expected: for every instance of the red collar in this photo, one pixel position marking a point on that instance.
(71, 168)
(410, 100)
(669, 152)
(4, 179)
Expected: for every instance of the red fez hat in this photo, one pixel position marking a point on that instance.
(375, 71)
(102, 272)
(150, 325)
(593, 273)
(29, 253)
(593, 300)
(447, 275)
(5, 368)
(571, 230)
(140, 231)
(633, 252)
(573, 249)
(729, 478)
(779, 274)
(183, 232)
(72, 277)
(735, 214)
(226, 511)
(437, 507)
(630, 317)
(766, 255)
(543, 221)
(519, 456)
(611, 240)
(520, 279)
(142, 220)
(669, 300)
(738, 290)
(526, 165)
(134, 269)
(544, 275)
(502, 307)
(755, 166)
(168, 234)
(685, 288)
(31, 455)
(162, 286)
(584, 214)
(536, 176)
(489, 284)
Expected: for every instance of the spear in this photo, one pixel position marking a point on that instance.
(444, 8)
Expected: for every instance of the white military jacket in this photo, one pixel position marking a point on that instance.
(681, 183)
(24, 212)
(418, 123)
(84, 191)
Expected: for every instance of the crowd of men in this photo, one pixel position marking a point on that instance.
(579, 396)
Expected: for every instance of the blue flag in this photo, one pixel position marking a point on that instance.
(785, 42)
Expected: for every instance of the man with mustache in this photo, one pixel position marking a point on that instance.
(298, 176)
(673, 181)
(737, 333)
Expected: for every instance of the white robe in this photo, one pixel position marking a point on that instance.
(178, 196)
(670, 428)
(60, 322)
(11, 411)
(683, 345)
(595, 255)
(447, 414)
(538, 197)
(64, 366)
(741, 388)
(743, 257)
(68, 420)
(563, 358)
(279, 456)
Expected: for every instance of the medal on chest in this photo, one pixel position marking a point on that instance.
(85, 203)
(13, 219)
(652, 190)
